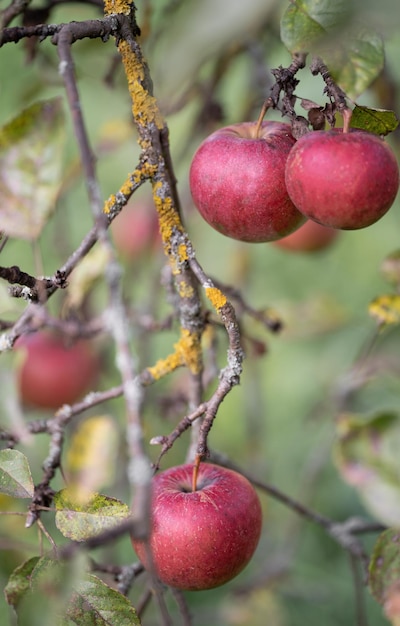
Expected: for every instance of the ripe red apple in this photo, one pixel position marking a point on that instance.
(237, 181)
(342, 180)
(50, 373)
(135, 230)
(201, 539)
(310, 237)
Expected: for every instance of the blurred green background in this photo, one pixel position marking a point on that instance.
(210, 62)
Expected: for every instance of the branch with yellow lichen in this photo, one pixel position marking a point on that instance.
(153, 140)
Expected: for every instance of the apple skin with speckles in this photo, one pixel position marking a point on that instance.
(237, 181)
(344, 180)
(201, 539)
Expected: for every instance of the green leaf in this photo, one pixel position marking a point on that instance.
(79, 521)
(378, 121)
(359, 61)
(305, 23)
(31, 153)
(96, 604)
(366, 454)
(15, 474)
(384, 567)
(19, 582)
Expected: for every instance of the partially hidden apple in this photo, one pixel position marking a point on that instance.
(310, 237)
(201, 539)
(50, 373)
(237, 181)
(345, 180)
(135, 230)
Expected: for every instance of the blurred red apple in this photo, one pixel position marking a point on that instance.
(310, 237)
(201, 539)
(237, 181)
(342, 180)
(135, 230)
(50, 373)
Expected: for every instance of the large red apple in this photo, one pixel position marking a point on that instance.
(201, 539)
(342, 180)
(310, 237)
(51, 373)
(237, 181)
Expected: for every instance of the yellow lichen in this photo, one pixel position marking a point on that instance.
(165, 366)
(168, 216)
(185, 290)
(117, 6)
(189, 345)
(216, 297)
(187, 352)
(109, 203)
(144, 105)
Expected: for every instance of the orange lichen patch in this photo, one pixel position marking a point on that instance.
(144, 105)
(109, 203)
(183, 252)
(187, 352)
(216, 297)
(166, 366)
(168, 216)
(190, 347)
(117, 6)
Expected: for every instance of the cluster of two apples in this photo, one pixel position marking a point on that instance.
(261, 185)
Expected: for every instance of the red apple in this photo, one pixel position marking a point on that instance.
(237, 181)
(51, 373)
(310, 237)
(135, 230)
(201, 539)
(342, 180)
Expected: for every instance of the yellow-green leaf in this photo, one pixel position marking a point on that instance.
(385, 309)
(91, 457)
(79, 521)
(86, 275)
(31, 154)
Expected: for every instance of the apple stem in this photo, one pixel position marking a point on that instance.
(346, 114)
(267, 105)
(196, 467)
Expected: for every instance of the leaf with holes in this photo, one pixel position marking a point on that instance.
(31, 155)
(15, 474)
